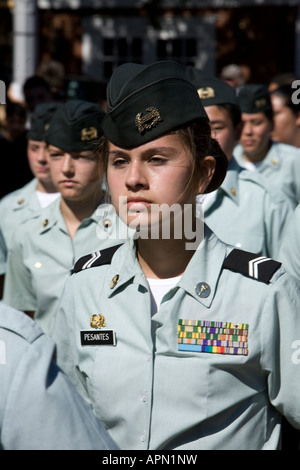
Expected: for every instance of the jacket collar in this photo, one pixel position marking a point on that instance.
(202, 270)
(230, 185)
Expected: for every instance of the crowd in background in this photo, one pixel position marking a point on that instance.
(35, 210)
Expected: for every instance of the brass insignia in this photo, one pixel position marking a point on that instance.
(233, 191)
(46, 127)
(114, 281)
(97, 321)
(89, 133)
(202, 289)
(205, 93)
(149, 120)
(260, 103)
(45, 223)
(21, 201)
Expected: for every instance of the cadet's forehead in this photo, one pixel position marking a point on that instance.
(170, 142)
(216, 112)
(254, 117)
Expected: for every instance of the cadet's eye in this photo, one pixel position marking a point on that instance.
(118, 162)
(157, 160)
(54, 154)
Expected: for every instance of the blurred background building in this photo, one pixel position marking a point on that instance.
(76, 44)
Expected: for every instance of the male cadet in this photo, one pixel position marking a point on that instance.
(39, 407)
(24, 202)
(279, 163)
(244, 211)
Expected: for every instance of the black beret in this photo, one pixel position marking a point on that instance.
(76, 126)
(40, 120)
(212, 90)
(146, 101)
(254, 99)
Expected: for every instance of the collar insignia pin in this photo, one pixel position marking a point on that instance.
(114, 281)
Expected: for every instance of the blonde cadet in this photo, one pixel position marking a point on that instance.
(177, 340)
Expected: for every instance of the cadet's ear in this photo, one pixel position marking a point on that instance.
(208, 166)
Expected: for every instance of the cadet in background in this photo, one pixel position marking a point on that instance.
(226, 210)
(286, 116)
(26, 201)
(45, 248)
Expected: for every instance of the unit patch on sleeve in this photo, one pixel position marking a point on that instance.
(213, 337)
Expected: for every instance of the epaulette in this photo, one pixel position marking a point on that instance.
(251, 265)
(97, 258)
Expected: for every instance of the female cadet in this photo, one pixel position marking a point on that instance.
(177, 341)
(24, 202)
(46, 247)
(286, 116)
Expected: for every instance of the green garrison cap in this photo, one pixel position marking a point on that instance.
(146, 101)
(76, 126)
(254, 99)
(211, 90)
(40, 120)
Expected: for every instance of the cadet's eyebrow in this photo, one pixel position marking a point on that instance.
(116, 152)
(146, 152)
(216, 121)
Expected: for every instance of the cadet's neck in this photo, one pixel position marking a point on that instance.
(259, 155)
(74, 212)
(160, 259)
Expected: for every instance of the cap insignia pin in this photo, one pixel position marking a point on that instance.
(205, 93)
(149, 120)
(260, 103)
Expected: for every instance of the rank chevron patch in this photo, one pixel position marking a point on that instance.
(251, 265)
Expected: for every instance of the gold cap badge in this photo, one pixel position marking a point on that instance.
(97, 321)
(149, 120)
(89, 133)
(205, 93)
